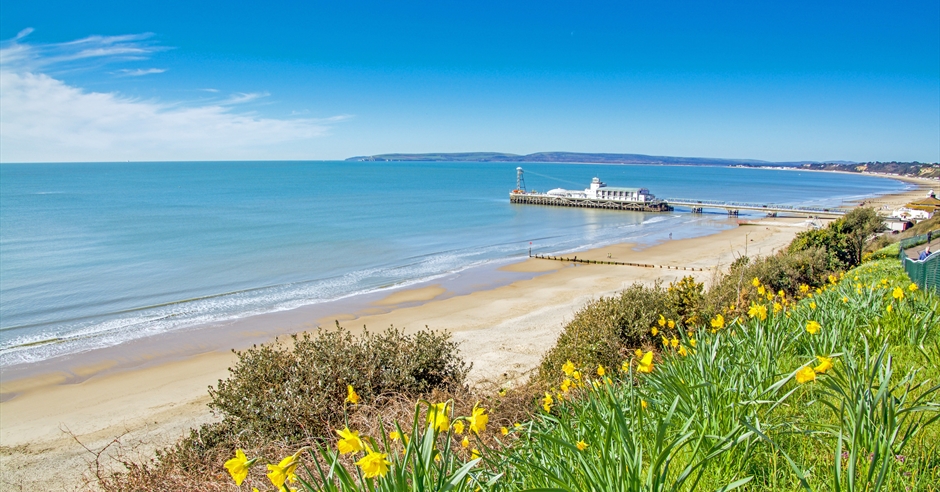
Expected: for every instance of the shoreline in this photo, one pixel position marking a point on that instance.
(503, 327)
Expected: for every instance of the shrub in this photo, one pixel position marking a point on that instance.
(600, 331)
(292, 393)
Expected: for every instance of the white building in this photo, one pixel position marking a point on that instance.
(601, 191)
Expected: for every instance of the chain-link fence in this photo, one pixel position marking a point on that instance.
(926, 273)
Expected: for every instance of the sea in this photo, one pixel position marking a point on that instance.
(94, 255)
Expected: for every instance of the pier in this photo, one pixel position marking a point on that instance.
(561, 201)
(733, 208)
(599, 195)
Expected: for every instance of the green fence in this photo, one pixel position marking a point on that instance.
(926, 274)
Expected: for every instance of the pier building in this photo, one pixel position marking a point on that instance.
(597, 195)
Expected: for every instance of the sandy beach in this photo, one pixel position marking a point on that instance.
(51, 425)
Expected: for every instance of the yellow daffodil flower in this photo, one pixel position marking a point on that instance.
(755, 282)
(812, 305)
(547, 402)
(643, 404)
(581, 445)
(758, 311)
(502, 392)
(671, 323)
(600, 370)
(761, 290)
(465, 442)
(646, 363)
(474, 453)
(813, 327)
(804, 289)
(504, 431)
(238, 466)
(718, 322)
(458, 427)
(568, 367)
(692, 342)
(777, 307)
(283, 471)
(349, 442)
(374, 464)
(805, 375)
(437, 417)
(913, 287)
(898, 293)
(478, 419)
(394, 435)
(682, 351)
(654, 331)
(825, 363)
(889, 308)
(662, 321)
(351, 396)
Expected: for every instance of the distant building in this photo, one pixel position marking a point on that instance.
(922, 209)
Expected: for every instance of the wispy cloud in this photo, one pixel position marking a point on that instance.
(43, 118)
(138, 72)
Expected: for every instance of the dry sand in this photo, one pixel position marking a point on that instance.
(46, 428)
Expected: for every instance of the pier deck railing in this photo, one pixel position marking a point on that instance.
(767, 207)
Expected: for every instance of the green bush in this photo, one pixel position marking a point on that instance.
(291, 393)
(843, 240)
(602, 330)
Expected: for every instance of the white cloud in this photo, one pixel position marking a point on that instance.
(137, 72)
(44, 119)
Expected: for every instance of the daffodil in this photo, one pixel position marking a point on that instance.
(671, 323)
(644, 404)
(349, 442)
(238, 466)
(889, 308)
(825, 363)
(812, 305)
(547, 402)
(474, 453)
(646, 363)
(600, 370)
(755, 282)
(674, 342)
(805, 375)
(777, 307)
(351, 396)
(478, 419)
(898, 293)
(437, 417)
(565, 385)
(813, 327)
(638, 352)
(458, 427)
(504, 431)
(761, 290)
(394, 435)
(654, 331)
(283, 471)
(465, 442)
(913, 287)
(576, 375)
(502, 392)
(682, 351)
(374, 464)
(568, 367)
(662, 321)
(581, 445)
(804, 289)
(692, 342)
(758, 311)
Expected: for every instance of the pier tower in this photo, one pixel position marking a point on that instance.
(520, 181)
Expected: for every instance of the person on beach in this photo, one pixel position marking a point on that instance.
(924, 254)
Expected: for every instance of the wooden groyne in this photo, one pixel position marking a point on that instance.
(575, 259)
(559, 201)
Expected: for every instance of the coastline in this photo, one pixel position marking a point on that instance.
(503, 328)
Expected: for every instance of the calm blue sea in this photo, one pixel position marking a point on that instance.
(92, 255)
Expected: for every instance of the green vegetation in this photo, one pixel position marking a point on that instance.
(785, 375)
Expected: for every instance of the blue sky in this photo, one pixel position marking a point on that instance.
(780, 81)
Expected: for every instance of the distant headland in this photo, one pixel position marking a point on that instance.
(915, 169)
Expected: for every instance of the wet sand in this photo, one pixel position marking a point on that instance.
(504, 327)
